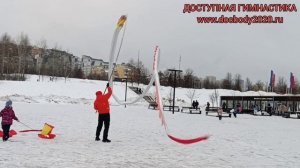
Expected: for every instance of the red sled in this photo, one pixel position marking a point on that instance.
(50, 136)
(11, 133)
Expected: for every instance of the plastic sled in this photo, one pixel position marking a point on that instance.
(47, 129)
(11, 133)
(46, 132)
(50, 136)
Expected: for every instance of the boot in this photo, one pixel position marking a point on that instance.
(5, 138)
(97, 139)
(106, 140)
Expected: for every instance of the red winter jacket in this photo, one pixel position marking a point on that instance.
(8, 115)
(101, 103)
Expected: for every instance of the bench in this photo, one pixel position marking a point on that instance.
(287, 114)
(215, 110)
(191, 110)
(151, 101)
(153, 106)
(211, 110)
(262, 113)
(170, 108)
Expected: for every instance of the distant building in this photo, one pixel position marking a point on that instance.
(93, 66)
(122, 71)
(37, 55)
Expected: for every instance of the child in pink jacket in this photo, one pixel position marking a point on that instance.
(7, 115)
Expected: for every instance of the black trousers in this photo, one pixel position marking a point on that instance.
(5, 132)
(103, 118)
(234, 114)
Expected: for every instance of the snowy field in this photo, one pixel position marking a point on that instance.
(138, 139)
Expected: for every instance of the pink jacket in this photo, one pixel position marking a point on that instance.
(8, 115)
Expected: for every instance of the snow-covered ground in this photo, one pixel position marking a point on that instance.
(138, 139)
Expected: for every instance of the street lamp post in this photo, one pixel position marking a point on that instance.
(126, 79)
(174, 84)
(126, 91)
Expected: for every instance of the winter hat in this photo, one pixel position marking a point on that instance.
(8, 103)
(98, 93)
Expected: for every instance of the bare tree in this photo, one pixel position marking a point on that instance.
(248, 84)
(67, 66)
(297, 89)
(42, 47)
(192, 94)
(55, 62)
(237, 82)
(188, 78)
(227, 82)
(281, 85)
(214, 97)
(197, 83)
(138, 72)
(5, 41)
(23, 52)
(210, 84)
(259, 85)
(170, 79)
(170, 96)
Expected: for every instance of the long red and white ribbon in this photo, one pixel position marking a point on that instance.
(160, 107)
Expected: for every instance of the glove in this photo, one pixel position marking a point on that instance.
(107, 85)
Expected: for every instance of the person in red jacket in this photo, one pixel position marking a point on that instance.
(7, 115)
(101, 105)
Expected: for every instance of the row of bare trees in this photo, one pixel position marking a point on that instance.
(18, 57)
(14, 57)
(187, 79)
(138, 72)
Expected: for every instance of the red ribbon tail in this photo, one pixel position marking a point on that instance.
(188, 141)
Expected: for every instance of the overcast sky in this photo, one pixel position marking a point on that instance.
(85, 27)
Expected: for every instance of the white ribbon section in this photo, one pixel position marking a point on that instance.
(112, 55)
(153, 78)
(140, 96)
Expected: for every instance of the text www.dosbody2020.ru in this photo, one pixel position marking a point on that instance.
(242, 20)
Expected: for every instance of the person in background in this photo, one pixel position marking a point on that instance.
(255, 109)
(220, 111)
(193, 104)
(101, 105)
(224, 106)
(207, 106)
(237, 109)
(196, 104)
(8, 115)
(269, 109)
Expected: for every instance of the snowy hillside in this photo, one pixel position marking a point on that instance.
(73, 91)
(138, 139)
(80, 91)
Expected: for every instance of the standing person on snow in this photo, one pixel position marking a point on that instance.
(224, 106)
(237, 109)
(7, 115)
(269, 109)
(101, 105)
(220, 111)
(196, 104)
(207, 106)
